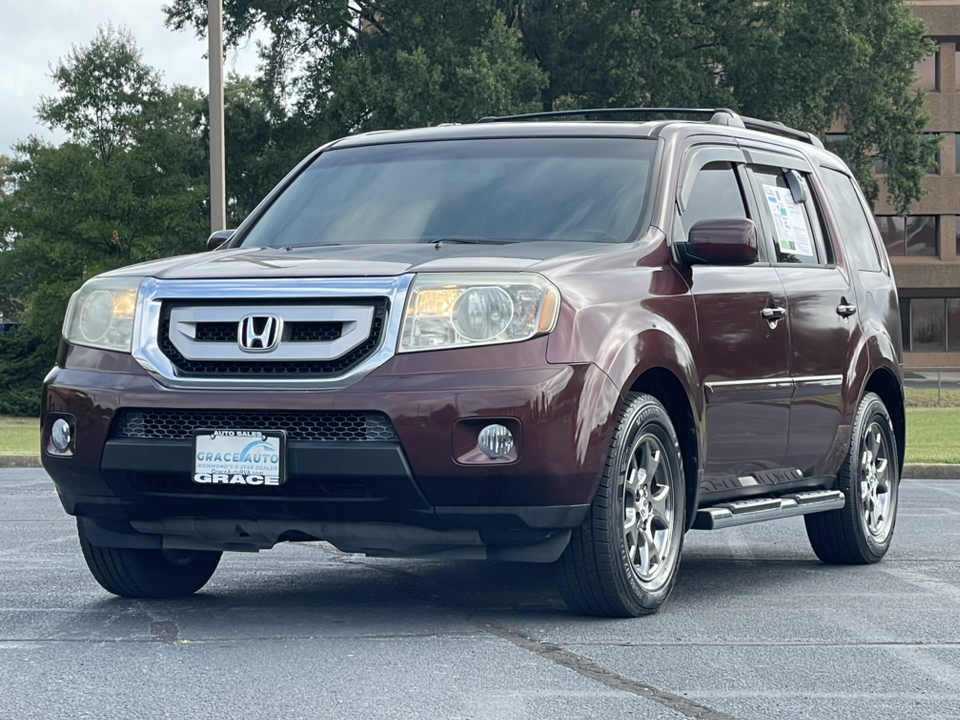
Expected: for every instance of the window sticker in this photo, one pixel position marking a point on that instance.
(791, 225)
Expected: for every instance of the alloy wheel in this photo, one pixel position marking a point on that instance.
(876, 487)
(648, 510)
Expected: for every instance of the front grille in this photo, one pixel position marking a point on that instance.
(315, 331)
(310, 332)
(217, 332)
(328, 426)
(226, 332)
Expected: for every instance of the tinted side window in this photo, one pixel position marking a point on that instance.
(853, 223)
(787, 220)
(715, 195)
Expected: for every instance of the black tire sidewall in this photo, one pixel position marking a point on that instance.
(643, 414)
(871, 409)
(146, 573)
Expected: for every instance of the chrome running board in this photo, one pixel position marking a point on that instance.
(742, 512)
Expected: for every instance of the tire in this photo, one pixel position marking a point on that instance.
(137, 573)
(623, 560)
(860, 532)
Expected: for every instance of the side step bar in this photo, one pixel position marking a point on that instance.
(742, 512)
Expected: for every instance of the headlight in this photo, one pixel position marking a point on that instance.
(101, 313)
(448, 311)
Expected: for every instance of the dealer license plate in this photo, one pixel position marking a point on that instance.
(239, 457)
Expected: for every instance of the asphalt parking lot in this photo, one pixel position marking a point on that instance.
(756, 629)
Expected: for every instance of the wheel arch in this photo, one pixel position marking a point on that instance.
(666, 387)
(884, 383)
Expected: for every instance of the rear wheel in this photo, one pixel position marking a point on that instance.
(623, 560)
(139, 573)
(860, 532)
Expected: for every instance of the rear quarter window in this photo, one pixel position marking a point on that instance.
(848, 211)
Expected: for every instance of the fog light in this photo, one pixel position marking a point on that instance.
(61, 434)
(495, 441)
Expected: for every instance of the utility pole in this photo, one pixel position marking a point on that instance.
(218, 193)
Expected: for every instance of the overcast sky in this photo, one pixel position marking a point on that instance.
(34, 34)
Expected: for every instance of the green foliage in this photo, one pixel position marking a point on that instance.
(6, 182)
(25, 357)
(104, 88)
(813, 64)
(347, 67)
(262, 144)
(128, 185)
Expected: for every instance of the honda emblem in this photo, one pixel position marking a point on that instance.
(259, 333)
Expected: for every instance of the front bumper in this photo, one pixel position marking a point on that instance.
(425, 481)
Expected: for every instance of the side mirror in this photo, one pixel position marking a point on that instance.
(218, 238)
(720, 242)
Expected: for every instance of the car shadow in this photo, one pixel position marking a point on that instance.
(252, 595)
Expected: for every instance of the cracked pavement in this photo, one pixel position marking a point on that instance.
(756, 629)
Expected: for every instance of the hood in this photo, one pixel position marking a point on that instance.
(361, 260)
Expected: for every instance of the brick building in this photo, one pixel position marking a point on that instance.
(925, 246)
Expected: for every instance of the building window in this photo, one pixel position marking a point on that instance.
(927, 326)
(953, 324)
(891, 230)
(933, 168)
(928, 73)
(922, 235)
(880, 162)
(912, 235)
(930, 324)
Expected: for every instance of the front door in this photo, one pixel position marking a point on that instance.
(744, 351)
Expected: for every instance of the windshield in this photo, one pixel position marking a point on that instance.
(496, 190)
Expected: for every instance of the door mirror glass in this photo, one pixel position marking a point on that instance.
(721, 242)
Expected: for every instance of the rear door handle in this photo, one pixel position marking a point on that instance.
(845, 309)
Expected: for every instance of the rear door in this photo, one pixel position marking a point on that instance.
(821, 305)
(744, 358)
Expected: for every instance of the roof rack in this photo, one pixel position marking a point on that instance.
(718, 116)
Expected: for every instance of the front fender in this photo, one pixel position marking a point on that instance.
(644, 338)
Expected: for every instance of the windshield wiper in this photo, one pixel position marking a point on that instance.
(438, 242)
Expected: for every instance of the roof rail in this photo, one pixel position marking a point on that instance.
(600, 112)
(718, 116)
(778, 128)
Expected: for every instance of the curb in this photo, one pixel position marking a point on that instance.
(20, 461)
(931, 472)
(915, 471)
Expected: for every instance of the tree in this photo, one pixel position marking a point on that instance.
(263, 142)
(104, 88)
(356, 66)
(129, 184)
(5, 180)
(813, 64)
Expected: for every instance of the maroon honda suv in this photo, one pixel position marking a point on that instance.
(529, 338)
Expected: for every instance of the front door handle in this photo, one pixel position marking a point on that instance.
(845, 309)
(773, 314)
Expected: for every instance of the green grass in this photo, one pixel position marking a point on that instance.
(933, 434)
(19, 436)
(927, 398)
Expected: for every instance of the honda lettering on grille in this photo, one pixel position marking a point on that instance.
(259, 333)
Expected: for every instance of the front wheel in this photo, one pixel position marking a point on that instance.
(860, 532)
(623, 560)
(139, 573)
